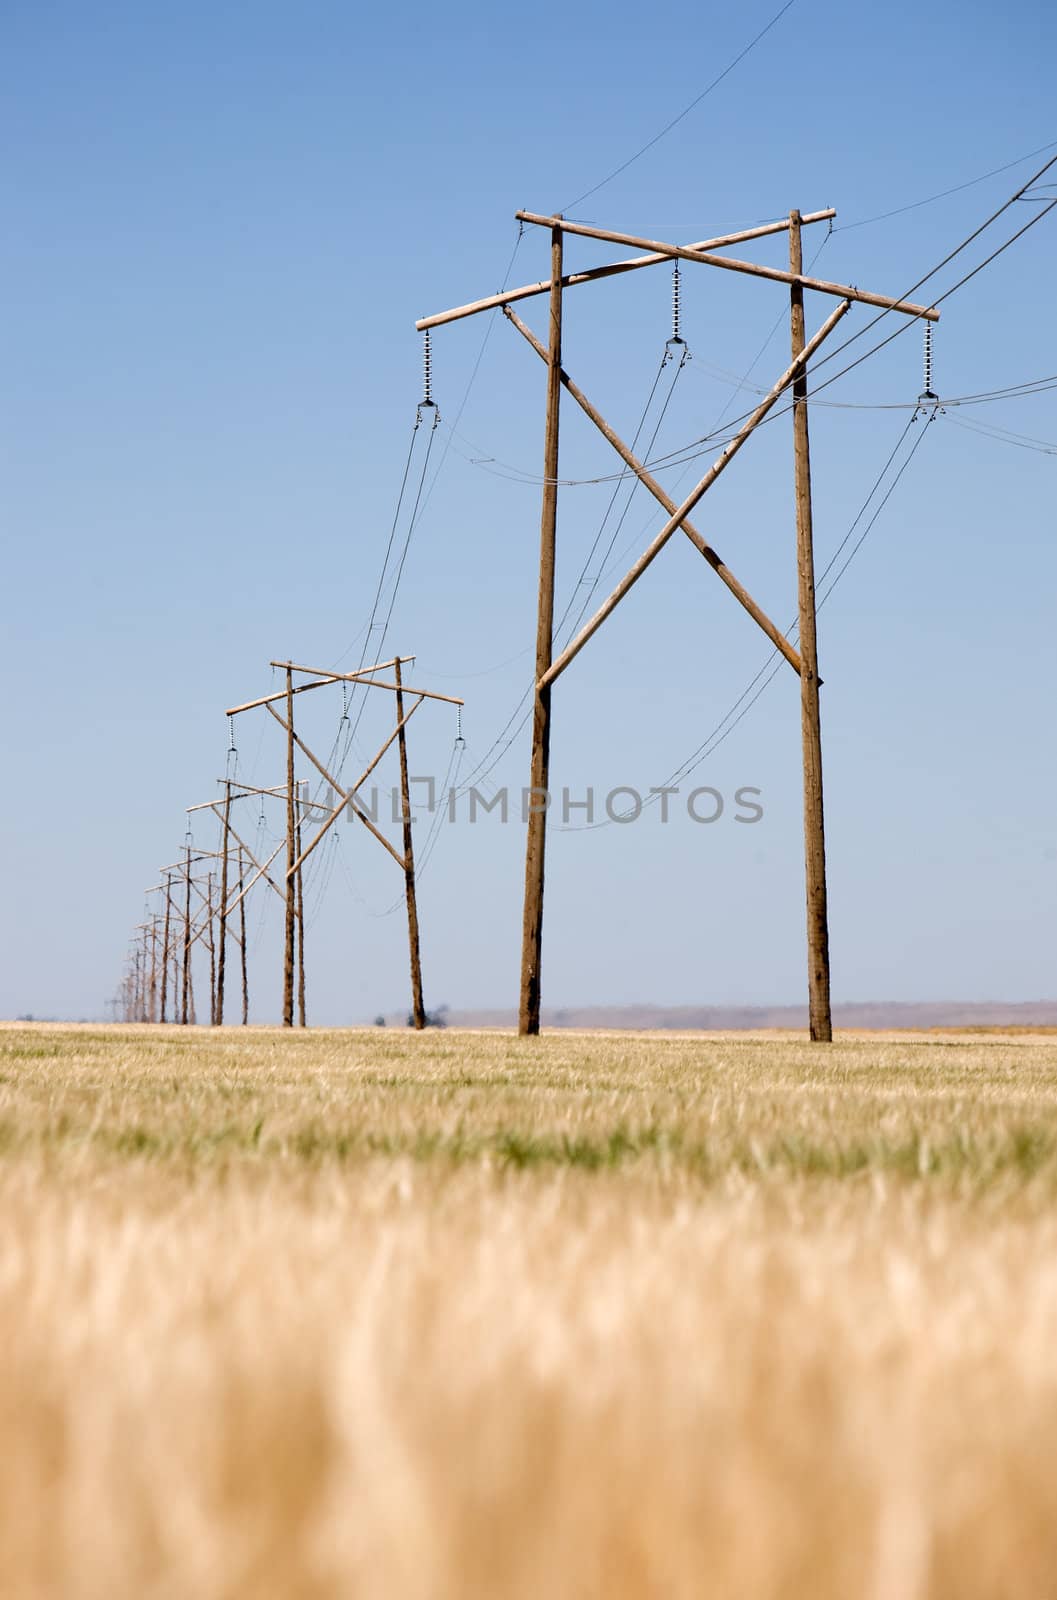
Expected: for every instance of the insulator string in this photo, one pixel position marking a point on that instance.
(427, 369)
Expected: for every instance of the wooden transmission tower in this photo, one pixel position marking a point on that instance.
(803, 661)
(344, 799)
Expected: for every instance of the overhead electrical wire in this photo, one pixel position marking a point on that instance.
(694, 103)
(773, 664)
(449, 784)
(377, 646)
(908, 321)
(857, 546)
(1014, 392)
(957, 188)
(951, 255)
(634, 486)
(757, 358)
(502, 743)
(345, 736)
(345, 742)
(366, 632)
(1022, 441)
(769, 670)
(689, 453)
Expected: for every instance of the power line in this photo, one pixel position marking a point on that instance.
(856, 547)
(1011, 392)
(772, 665)
(388, 549)
(770, 668)
(707, 90)
(486, 764)
(908, 321)
(883, 216)
(489, 325)
(418, 509)
(635, 484)
(380, 645)
(1022, 441)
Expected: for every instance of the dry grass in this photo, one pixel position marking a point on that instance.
(373, 1315)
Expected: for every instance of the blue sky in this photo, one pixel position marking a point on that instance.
(221, 223)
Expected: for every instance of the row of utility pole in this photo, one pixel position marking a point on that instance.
(200, 893)
(206, 900)
(158, 982)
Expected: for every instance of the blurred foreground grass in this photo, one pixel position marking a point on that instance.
(375, 1314)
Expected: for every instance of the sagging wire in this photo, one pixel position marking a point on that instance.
(773, 664)
(449, 791)
(382, 628)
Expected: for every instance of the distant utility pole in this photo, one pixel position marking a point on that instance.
(242, 945)
(165, 943)
(223, 918)
(186, 992)
(418, 1008)
(152, 992)
(300, 924)
(803, 661)
(196, 924)
(226, 905)
(212, 946)
(346, 799)
(291, 860)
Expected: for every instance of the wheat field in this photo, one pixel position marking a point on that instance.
(365, 1313)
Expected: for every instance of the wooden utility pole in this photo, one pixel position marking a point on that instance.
(803, 662)
(165, 945)
(300, 928)
(418, 1009)
(291, 858)
(539, 781)
(187, 937)
(223, 930)
(820, 1019)
(212, 952)
(152, 1008)
(344, 799)
(242, 941)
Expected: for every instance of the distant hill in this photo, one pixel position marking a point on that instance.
(855, 1014)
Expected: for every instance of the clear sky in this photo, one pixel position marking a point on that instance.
(220, 224)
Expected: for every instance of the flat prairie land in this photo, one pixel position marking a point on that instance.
(370, 1314)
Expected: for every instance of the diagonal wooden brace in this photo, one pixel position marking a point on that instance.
(843, 291)
(661, 538)
(719, 567)
(348, 798)
(217, 809)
